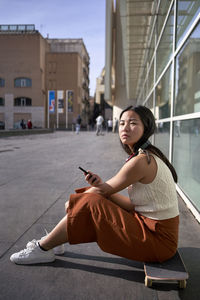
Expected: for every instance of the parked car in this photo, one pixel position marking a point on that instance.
(2, 125)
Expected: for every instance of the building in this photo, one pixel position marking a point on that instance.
(105, 107)
(32, 68)
(22, 76)
(67, 72)
(154, 48)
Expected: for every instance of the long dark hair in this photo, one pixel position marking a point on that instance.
(148, 120)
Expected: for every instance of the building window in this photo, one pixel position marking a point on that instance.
(23, 82)
(164, 50)
(187, 92)
(161, 139)
(187, 12)
(2, 103)
(2, 82)
(163, 95)
(176, 83)
(186, 157)
(22, 101)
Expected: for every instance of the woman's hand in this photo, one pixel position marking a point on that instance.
(93, 179)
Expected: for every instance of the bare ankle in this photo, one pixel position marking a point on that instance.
(42, 247)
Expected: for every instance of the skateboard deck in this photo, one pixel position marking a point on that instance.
(168, 271)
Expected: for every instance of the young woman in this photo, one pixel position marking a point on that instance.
(143, 226)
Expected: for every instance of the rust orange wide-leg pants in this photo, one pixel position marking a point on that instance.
(93, 218)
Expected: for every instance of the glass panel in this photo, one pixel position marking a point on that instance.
(23, 82)
(17, 82)
(163, 95)
(164, 50)
(1, 101)
(28, 82)
(162, 137)
(17, 102)
(28, 102)
(21, 27)
(144, 75)
(13, 27)
(187, 12)
(163, 9)
(4, 27)
(186, 160)
(151, 77)
(2, 82)
(30, 27)
(145, 90)
(149, 103)
(151, 47)
(187, 89)
(23, 101)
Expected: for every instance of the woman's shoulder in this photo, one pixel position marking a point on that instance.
(144, 157)
(137, 160)
(143, 161)
(148, 166)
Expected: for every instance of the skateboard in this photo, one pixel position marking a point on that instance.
(168, 271)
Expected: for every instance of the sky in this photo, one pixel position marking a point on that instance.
(64, 19)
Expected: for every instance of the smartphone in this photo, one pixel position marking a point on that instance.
(83, 170)
(87, 173)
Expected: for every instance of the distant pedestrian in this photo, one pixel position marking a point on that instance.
(110, 125)
(177, 128)
(29, 124)
(99, 124)
(78, 124)
(22, 124)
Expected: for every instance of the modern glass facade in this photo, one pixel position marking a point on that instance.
(171, 89)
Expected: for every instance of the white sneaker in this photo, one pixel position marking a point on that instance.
(33, 255)
(59, 250)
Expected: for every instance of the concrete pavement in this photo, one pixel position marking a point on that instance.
(37, 173)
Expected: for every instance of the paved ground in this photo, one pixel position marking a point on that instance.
(37, 173)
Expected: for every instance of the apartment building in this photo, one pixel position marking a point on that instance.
(67, 73)
(22, 76)
(32, 68)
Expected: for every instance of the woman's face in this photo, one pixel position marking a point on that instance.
(131, 128)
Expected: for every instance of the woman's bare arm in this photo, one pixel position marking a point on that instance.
(123, 201)
(133, 171)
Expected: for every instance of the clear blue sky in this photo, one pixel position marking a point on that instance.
(64, 19)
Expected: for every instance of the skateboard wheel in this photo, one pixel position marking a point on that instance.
(182, 284)
(148, 282)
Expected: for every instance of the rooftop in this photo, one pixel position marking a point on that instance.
(19, 29)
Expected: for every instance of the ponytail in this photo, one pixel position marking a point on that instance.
(153, 149)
